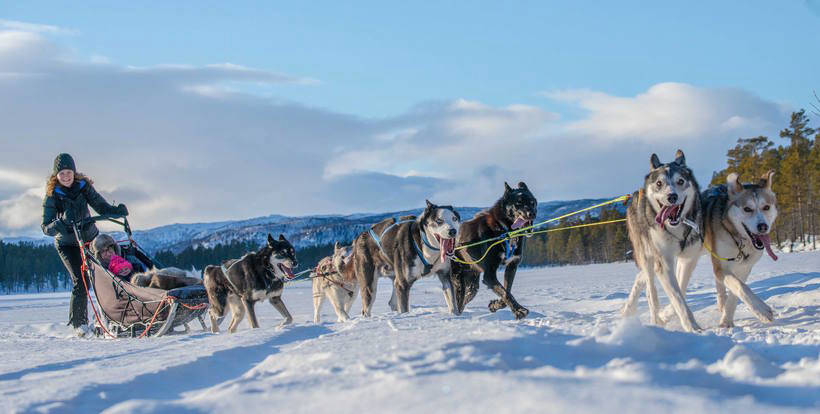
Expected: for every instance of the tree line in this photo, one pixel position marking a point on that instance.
(796, 181)
(27, 267)
(32, 268)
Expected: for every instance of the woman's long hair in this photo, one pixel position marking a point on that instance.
(52, 182)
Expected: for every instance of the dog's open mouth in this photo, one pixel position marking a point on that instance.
(760, 242)
(288, 272)
(669, 214)
(447, 247)
(520, 222)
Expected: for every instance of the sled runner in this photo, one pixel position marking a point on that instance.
(127, 310)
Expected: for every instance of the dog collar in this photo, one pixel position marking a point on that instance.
(427, 242)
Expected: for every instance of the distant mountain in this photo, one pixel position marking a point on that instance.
(301, 231)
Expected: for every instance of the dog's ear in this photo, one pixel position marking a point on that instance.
(507, 188)
(335, 247)
(282, 237)
(654, 161)
(430, 205)
(768, 180)
(733, 184)
(680, 159)
(523, 186)
(270, 240)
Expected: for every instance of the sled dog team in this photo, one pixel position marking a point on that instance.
(670, 224)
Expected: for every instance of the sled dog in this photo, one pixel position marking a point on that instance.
(738, 218)
(517, 208)
(335, 280)
(664, 221)
(405, 251)
(240, 283)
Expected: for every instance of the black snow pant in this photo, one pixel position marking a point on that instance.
(73, 261)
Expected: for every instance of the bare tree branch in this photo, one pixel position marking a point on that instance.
(815, 105)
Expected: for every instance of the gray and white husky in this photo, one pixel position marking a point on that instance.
(406, 251)
(737, 221)
(335, 280)
(663, 222)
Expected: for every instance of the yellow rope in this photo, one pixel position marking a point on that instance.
(706, 246)
(456, 259)
(517, 232)
(534, 233)
(577, 226)
(614, 200)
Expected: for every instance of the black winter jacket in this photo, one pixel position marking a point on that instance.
(67, 205)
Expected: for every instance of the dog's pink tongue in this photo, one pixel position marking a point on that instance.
(519, 222)
(768, 245)
(446, 248)
(287, 270)
(665, 213)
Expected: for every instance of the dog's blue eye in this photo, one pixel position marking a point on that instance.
(680, 182)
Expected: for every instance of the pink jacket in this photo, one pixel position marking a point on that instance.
(117, 263)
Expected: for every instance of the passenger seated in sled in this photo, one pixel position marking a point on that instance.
(106, 250)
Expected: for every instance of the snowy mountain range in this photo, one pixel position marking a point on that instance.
(303, 231)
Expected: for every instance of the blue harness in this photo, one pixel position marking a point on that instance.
(378, 240)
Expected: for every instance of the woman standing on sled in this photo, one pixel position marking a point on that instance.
(68, 195)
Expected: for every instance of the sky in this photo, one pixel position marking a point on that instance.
(197, 111)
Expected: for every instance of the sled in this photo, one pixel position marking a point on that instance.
(128, 310)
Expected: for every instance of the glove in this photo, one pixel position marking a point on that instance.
(55, 227)
(66, 218)
(121, 209)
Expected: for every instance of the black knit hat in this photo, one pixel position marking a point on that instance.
(64, 162)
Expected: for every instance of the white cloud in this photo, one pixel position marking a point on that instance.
(179, 143)
(21, 212)
(34, 27)
(669, 111)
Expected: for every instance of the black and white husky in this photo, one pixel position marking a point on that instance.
(405, 251)
(664, 222)
(738, 218)
(240, 283)
(335, 280)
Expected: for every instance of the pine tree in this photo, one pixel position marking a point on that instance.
(795, 173)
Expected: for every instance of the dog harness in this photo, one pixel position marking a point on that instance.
(268, 270)
(318, 274)
(378, 240)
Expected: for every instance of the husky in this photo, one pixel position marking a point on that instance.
(240, 283)
(405, 251)
(738, 218)
(335, 280)
(664, 222)
(517, 208)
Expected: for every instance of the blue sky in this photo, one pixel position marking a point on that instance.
(203, 111)
(378, 58)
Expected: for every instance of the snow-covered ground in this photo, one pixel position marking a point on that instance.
(572, 354)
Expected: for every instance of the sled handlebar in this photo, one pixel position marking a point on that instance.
(101, 217)
(106, 217)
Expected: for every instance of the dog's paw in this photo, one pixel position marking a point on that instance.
(521, 313)
(767, 316)
(727, 324)
(496, 304)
